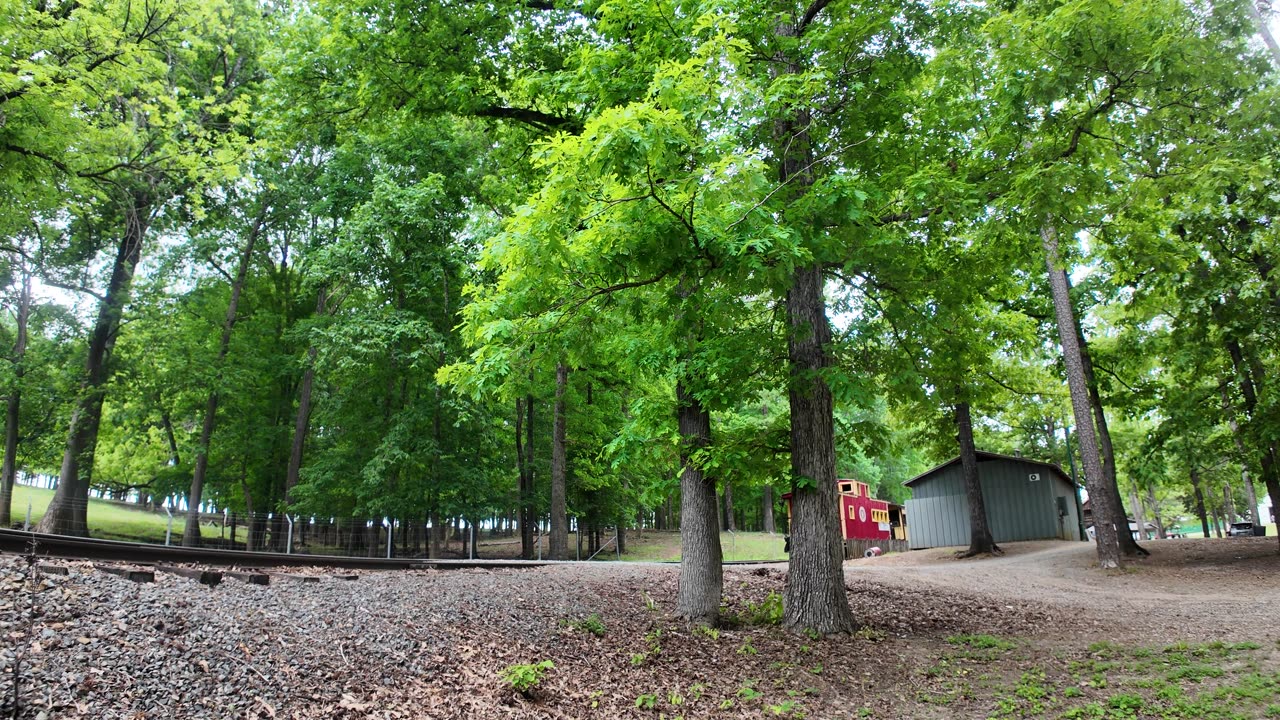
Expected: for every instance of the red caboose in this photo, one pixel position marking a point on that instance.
(863, 517)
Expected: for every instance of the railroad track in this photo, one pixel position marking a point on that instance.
(22, 542)
(62, 546)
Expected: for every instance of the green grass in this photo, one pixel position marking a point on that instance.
(109, 520)
(664, 546)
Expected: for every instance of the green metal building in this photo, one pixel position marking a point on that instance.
(1025, 500)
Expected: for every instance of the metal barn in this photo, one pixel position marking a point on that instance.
(1025, 499)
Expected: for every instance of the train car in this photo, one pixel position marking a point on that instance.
(863, 517)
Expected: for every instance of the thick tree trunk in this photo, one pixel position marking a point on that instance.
(191, 533)
(9, 471)
(980, 540)
(66, 512)
(701, 572)
(559, 538)
(815, 597)
(766, 510)
(1105, 532)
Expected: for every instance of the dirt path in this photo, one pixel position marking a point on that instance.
(1198, 588)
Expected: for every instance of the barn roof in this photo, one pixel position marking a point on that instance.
(989, 456)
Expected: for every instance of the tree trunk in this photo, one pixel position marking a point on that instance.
(302, 419)
(66, 512)
(815, 596)
(1155, 512)
(701, 571)
(1247, 380)
(9, 471)
(729, 521)
(1228, 504)
(1128, 546)
(559, 547)
(980, 540)
(1250, 492)
(1199, 495)
(191, 533)
(1105, 532)
(524, 458)
(1260, 23)
(1139, 514)
(767, 510)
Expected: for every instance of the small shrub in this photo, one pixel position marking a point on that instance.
(592, 624)
(524, 678)
(767, 612)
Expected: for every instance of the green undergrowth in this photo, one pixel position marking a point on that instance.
(1003, 679)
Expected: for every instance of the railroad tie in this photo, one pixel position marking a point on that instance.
(139, 576)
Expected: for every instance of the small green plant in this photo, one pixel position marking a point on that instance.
(707, 631)
(786, 707)
(639, 658)
(592, 624)
(675, 698)
(816, 669)
(726, 704)
(649, 603)
(524, 678)
(870, 634)
(767, 612)
(646, 701)
(747, 648)
(696, 690)
(812, 634)
(748, 691)
(982, 642)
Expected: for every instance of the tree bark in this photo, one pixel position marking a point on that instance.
(1260, 23)
(1250, 492)
(767, 510)
(302, 419)
(815, 598)
(729, 522)
(559, 536)
(1105, 532)
(191, 533)
(1128, 546)
(701, 572)
(1199, 496)
(66, 513)
(1155, 512)
(9, 471)
(1248, 390)
(980, 540)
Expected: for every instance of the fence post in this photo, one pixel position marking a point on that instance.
(473, 541)
(288, 543)
(26, 525)
(390, 532)
(616, 547)
(168, 530)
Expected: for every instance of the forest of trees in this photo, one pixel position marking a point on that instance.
(630, 262)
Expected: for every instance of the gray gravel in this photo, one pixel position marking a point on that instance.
(98, 645)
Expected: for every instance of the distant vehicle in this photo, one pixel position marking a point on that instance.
(1241, 529)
